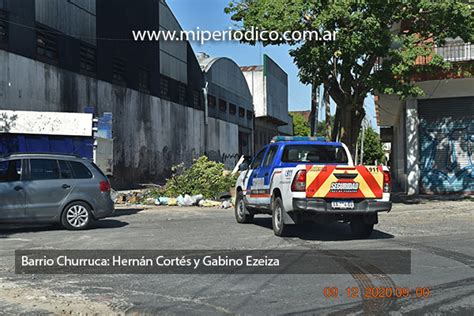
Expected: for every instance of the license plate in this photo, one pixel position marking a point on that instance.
(345, 205)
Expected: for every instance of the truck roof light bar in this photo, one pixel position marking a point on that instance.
(297, 138)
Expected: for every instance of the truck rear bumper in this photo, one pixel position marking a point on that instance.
(324, 207)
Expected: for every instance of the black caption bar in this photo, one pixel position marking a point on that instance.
(212, 261)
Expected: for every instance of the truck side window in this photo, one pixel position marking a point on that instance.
(258, 159)
(270, 156)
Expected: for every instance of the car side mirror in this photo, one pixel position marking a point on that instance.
(244, 166)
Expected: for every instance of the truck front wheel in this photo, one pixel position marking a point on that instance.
(360, 228)
(242, 214)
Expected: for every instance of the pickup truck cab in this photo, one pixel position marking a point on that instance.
(300, 179)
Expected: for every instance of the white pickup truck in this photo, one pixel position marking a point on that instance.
(298, 179)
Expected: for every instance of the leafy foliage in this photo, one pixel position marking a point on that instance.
(300, 125)
(377, 45)
(205, 177)
(373, 148)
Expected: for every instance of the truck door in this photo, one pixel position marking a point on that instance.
(255, 183)
(265, 173)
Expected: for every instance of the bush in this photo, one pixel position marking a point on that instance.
(205, 177)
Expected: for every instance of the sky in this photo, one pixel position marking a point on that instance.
(209, 15)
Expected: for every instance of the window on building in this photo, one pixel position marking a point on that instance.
(88, 59)
(211, 101)
(222, 105)
(232, 108)
(118, 70)
(3, 27)
(47, 44)
(144, 80)
(44, 169)
(196, 99)
(182, 94)
(249, 114)
(164, 87)
(241, 112)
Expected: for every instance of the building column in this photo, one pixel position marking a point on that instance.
(412, 147)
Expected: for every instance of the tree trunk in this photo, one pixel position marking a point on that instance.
(350, 122)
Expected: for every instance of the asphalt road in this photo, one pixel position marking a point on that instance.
(439, 233)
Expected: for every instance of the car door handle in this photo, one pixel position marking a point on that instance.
(18, 188)
(66, 186)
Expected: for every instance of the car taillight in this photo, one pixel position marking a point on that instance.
(104, 186)
(387, 181)
(299, 182)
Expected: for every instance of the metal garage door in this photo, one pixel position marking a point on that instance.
(446, 145)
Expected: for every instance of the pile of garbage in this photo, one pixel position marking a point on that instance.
(145, 197)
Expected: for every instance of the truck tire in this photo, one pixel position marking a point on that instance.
(361, 229)
(279, 227)
(242, 214)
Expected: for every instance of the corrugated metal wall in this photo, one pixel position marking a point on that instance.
(446, 145)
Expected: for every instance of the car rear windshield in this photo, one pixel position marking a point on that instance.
(314, 154)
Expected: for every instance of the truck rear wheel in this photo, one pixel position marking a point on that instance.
(361, 229)
(279, 227)
(242, 214)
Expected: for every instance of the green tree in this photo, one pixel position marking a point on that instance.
(373, 148)
(321, 128)
(390, 35)
(300, 125)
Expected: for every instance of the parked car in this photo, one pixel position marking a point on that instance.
(53, 188)
(298, 179)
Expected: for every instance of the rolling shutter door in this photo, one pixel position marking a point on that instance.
(446, 143)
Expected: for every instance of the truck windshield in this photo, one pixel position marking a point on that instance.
(314, 154)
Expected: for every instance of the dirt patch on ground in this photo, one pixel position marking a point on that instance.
(46, 300)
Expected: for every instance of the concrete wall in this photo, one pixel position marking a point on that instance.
(276, 87)
(257, 89)
(150, 134)
(222, 142)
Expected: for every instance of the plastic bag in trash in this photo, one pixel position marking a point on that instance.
(197, 198)
(180, 200)
(188, 200)
(172, 202)
(226, 204)
(209, 203)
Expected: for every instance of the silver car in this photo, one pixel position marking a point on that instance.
(53, 188)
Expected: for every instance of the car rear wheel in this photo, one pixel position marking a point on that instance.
(279, 227)
(242, 214)
(76, 216)
(361, 229)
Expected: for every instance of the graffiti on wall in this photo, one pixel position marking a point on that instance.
(446, 159)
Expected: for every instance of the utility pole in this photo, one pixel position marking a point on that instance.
(313, 116)
(327, 105)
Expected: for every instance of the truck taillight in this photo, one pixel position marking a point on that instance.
(104, 186)
(299, 182)
(387, 181)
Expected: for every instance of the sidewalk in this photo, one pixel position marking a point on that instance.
(401, 197)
